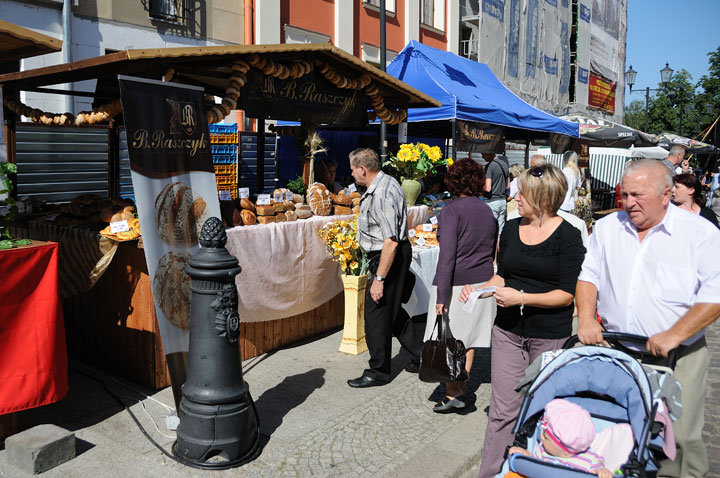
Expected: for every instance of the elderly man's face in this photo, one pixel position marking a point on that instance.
(643, 199)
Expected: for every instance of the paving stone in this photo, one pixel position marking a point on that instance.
(40, 448)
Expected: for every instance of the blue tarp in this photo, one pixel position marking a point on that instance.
(468, 91)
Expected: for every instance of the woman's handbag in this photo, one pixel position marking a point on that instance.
(443, 359)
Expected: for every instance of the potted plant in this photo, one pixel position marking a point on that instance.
(340, 239)
(414, 161)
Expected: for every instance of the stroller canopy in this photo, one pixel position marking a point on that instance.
(604, 371)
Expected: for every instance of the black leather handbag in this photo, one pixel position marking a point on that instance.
(443, 359)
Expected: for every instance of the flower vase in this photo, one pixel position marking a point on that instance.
(411, 189)
(353, 339)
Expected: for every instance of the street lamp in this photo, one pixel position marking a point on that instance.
(665, 76)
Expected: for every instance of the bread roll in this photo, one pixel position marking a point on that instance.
(106, 215)
(129, 209)
(248, 217)
(356, 202)
(319, 199)
(246, 203)
(126, 216)
(356, 210)
(355, 195)
(266, 219)
(302, 211)
(298, 199)
(116, 217)
(341, 198)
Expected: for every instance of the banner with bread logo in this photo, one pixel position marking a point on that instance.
(175, 192)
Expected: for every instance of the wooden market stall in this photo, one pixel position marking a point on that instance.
(112, 323)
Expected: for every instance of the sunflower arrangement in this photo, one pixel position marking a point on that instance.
(340, 239)
(415, 160)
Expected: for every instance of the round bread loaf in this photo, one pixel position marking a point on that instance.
(178, 216)
(318, 198)
(289, 205)
(248, 217)
(302, 211)
(171, 288)
(246, 203)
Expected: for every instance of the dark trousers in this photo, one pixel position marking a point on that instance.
(387, 318)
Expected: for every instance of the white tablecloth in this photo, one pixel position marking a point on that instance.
(286, 269)
(423, 266)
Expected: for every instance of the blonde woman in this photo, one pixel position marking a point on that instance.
(572, 177)
(539, 261)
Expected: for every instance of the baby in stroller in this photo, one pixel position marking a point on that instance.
(567, 432)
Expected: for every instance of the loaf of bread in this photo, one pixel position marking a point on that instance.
(342, 210)
(291, 216)
(289, 205)
(356, 201)
(281, 217)
(248, 217)
(302, 211)
(355, 195)
(265, 211)
(178, 215)
(318, 198)
(265, 219)
(236, 217)
(246, 203)
(298, 199)
(282, 191)
(278, 207)
(356, 210)
(171, 288)
(342, 199)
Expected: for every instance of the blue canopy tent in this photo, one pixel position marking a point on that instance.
(484, 110)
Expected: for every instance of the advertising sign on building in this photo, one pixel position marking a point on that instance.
(175, 192)
(601, 94)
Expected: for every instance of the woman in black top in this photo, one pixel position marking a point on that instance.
(539, 261)
(687, 195)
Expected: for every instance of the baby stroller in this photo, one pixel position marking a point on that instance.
(611, 384)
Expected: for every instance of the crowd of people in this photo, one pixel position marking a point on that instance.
(643, 271)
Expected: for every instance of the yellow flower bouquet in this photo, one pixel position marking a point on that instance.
(341, 242)
(415, 160)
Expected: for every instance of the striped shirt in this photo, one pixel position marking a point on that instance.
(382, 214)
(588, 461)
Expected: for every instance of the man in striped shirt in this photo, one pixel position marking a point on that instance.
(382, 233)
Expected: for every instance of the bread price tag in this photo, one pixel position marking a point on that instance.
(427, 227)
(411, 233)
(263, 200)
(433, 220)
(289, 196)
(244, 193)
(351, 188)
(119, 226)
(225, 196)
(279, 197)
(420, 241)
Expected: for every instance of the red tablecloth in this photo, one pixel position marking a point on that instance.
(33, 355)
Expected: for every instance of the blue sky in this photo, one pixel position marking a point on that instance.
(678, 32)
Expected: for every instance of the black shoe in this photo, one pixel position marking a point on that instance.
(413, 367)
(365, 381)
(450, 405)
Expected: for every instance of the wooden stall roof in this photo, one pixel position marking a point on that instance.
(209, 67)
(17, 42)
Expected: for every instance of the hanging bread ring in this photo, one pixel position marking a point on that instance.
(233, 92)
(254, 59)
(284, 72)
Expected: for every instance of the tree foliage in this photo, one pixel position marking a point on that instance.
(680, 106)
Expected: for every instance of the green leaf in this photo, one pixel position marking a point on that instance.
(22, 242)
(11, 168)
(6, 244)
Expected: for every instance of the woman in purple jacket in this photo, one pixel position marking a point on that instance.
(466, 230)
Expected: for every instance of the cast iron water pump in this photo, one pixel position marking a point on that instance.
(218, 422)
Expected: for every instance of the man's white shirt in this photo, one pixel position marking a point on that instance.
(645, 287)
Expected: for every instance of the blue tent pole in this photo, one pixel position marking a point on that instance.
(383, 66)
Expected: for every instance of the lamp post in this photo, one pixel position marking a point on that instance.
(665, 76)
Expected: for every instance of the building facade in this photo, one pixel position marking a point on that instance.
(99, 27)
(562, 56)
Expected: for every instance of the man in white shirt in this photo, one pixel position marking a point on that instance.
(646, 268)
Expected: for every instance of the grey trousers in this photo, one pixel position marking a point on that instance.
(691, 371)
(499, 209)
(511, 354)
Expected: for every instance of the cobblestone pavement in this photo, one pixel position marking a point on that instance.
(711, 433)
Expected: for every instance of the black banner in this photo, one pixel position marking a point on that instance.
(311, 98)
(480, 137)
(167, 131)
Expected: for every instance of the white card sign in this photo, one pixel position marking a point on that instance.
(225, 196)
(263, 200)
(420, 241)
(119, 226)
(351, 187)
(244, 193)
(411, 233)
(289, 196)
(279, 197)
(427, 227)
(433, 220)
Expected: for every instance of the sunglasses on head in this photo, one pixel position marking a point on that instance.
(536, 171)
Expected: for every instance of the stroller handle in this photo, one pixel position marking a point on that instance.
(615, 339)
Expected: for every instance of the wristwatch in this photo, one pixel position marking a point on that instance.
(379, 278)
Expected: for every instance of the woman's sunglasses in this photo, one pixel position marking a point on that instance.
(536, 171)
